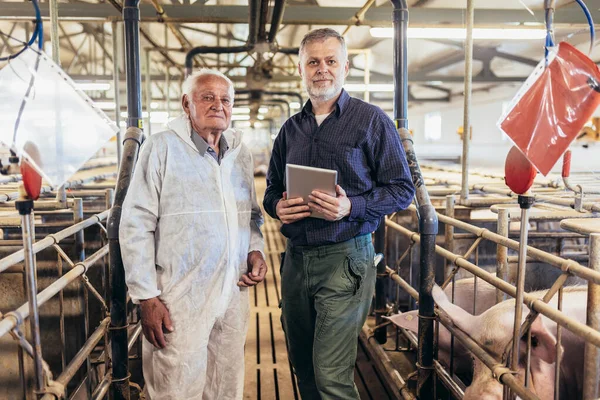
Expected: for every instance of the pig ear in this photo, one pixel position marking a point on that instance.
(461, 318)
(408, 320)
(543, 343)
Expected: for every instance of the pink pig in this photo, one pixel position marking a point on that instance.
(493, 330)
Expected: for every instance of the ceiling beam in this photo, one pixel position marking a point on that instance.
(294, 15)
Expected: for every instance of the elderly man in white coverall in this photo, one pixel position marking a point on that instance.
(191, 245)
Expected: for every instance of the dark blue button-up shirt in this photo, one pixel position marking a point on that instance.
(359, 141)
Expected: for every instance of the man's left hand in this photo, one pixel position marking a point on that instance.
(257, 269)
(333, 208)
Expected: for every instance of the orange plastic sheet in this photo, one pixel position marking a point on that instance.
(552, 106)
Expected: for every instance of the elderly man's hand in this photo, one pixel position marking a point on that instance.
(154, 316)
(333, 208)
(257, 269)
(291, 210)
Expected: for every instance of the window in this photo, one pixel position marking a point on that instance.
(433, 126)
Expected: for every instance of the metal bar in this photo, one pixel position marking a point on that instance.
(503, 376)
(102, 389)
(540, 255)
(380, 296)
(278, 10)
(532, 302)
(392, 377)
(358, 17)
(118, 300)
(25, 208)
(81, 356)
(54, 38)
(464, 191)
(116, 39)
(514, 359)
(50, 240)
(591, 369)
(559, 350)
(15, 318)
(449, 233)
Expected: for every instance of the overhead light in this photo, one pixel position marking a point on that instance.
(98, 86)
(263, 110)
(243, 124)
(295, 105)
(461, 33)
(373, 87)
(241, 110)
(105, 105)
(261, 117)
(240, 117)
(154, 105)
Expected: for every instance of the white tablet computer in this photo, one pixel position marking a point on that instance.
(301, 181)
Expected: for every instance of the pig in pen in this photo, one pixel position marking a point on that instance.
(557, 356)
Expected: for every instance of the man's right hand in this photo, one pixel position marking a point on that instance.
(154, 316)
(291, 210)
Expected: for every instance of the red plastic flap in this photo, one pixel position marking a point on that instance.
(550, 114)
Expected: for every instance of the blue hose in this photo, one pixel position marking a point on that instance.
(38, 33)
(590, 20)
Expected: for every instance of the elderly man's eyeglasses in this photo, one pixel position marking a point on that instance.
(210, 99)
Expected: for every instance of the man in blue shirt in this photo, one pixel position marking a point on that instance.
(328, 272)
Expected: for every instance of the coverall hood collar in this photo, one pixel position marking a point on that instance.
(183, 128)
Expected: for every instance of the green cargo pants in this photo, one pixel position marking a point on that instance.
(326, 293)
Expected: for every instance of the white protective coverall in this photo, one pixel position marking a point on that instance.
(187, 227)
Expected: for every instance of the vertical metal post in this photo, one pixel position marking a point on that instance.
(380, 297)
(449, 234)
(591, 369)
(61, 195)
(116, 83)
(25, 208)
(148, 91)
(367, 79)
(131, 143)
(54, 38)
(525, 202)
(168, 72)
(464, 191)
(502, 252)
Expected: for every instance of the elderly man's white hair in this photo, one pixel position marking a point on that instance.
(189, 85)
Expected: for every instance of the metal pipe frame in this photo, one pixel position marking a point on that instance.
(380, 358)
(464, 191)
(504, 377)
(278, 10)
(82, 355)
(15, 318)
(591, 364)
(51, 240)
(428, 222)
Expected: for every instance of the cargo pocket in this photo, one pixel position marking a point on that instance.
(356, 270)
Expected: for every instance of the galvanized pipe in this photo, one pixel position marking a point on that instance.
(15, 318)
(131, 18)
(276, 19)
(502, 252)
(591, 369)
(102, 388)
(464, 192)
(383, 363)
(449, 233)
(563, 264)
(81, 356)
(116, 83)
(52, 239)
(118, 300)
(54, 38)
(25, 208)
(525, 203)
(532, 302)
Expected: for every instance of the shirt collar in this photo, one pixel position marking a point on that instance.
(202, 146)
(340, 105)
